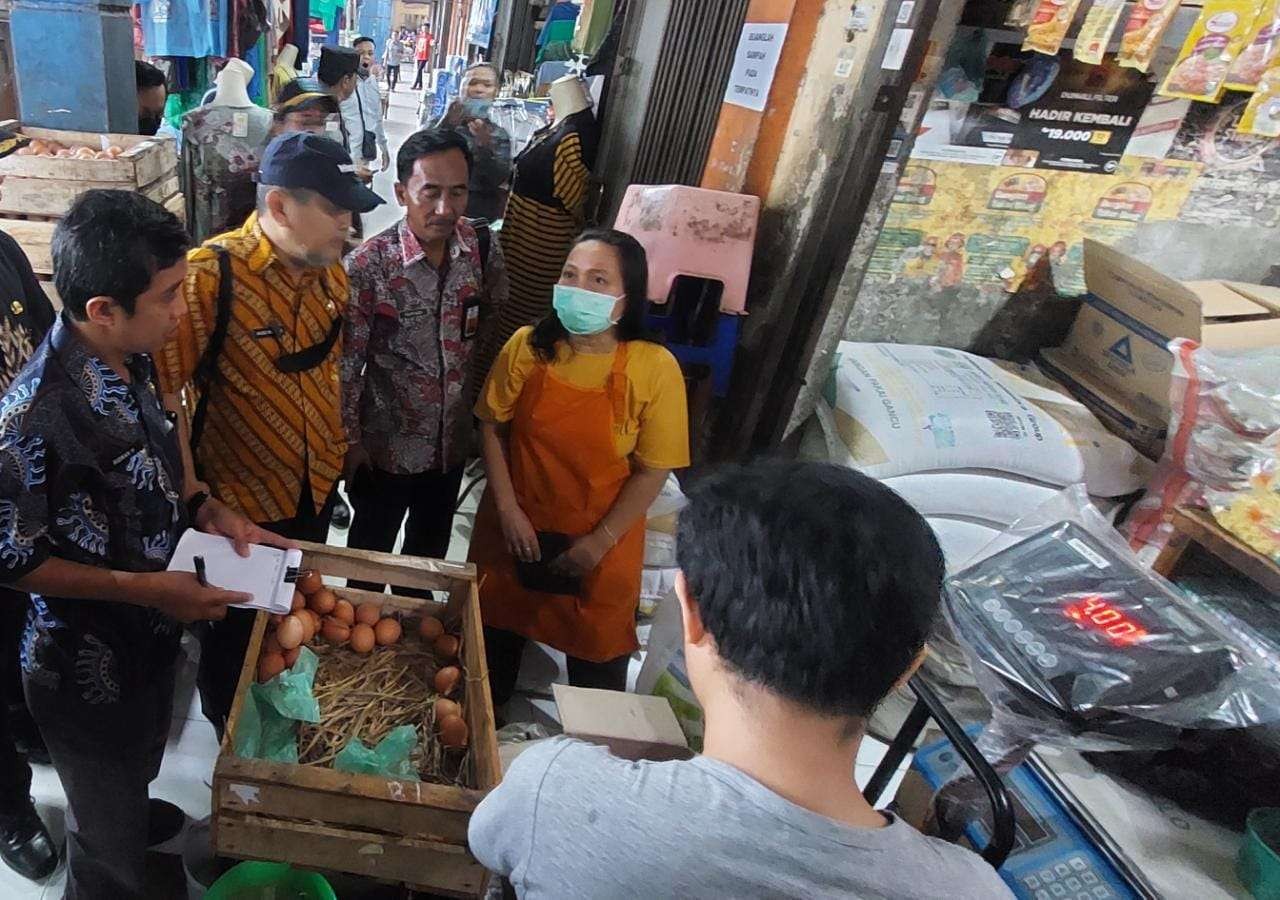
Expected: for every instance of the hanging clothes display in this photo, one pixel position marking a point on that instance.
(222, 148)
(191, 28)
(248, 21)
(544, 215)
(593, 26)
(560, 25)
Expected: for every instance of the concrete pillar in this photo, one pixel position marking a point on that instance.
(74, 65)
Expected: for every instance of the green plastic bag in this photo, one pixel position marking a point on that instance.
(268, 725)
(389, 759)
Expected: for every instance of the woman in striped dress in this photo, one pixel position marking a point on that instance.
(544, 215)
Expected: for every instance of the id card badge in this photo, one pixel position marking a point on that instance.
(471, 320)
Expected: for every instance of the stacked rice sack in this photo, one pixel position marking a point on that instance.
(971, 443)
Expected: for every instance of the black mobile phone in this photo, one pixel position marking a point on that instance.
(539, 576)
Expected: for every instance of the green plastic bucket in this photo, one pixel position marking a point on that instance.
(1258, 864)
(270, 881)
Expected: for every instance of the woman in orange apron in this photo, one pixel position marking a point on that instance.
(582, 419)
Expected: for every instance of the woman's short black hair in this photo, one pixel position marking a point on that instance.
(429, 142)
(111, 244)
(816, 582)
(635, 285)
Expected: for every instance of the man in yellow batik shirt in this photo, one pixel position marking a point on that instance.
(259, 351)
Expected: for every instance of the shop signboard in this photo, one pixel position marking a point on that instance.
(1044, 112)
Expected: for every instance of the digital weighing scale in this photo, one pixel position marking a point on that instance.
(1084, 638)
(1053, 855)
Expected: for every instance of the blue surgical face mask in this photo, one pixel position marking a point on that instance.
(583, 312)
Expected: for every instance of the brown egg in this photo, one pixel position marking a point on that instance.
(308, 582)
(310, 624)
(345, 612)
(323, 601)
(291, 632)
(113, 151)
(269, 666)
(86, 153)
(299, 602)
(38, 146)
(276, 619)
(453, 732)
(446, 708)
(291, 657)
(369, 613)
(362, 639)
(335, 630)
(446, 646)
(65, 154)
(447, 679)
(271, 644)
(25, 151)
(387, 631)
(430, 628)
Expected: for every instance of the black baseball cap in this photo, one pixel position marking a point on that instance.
(302, 160)
(335, 62)
(304, 93)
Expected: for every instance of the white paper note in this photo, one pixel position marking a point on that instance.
(262, 573)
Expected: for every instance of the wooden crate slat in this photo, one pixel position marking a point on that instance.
(340, 785)
(413, 820)
(34, 238)
(478, 705)
(398, 603)
(400, 571)
(442, 867)
(53, 197)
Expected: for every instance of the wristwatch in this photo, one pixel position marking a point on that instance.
(197, 500)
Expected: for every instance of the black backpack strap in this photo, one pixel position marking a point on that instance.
(207, 369)
(312, 356)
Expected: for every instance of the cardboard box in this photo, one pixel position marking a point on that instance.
(1116, 360)
(632, 726)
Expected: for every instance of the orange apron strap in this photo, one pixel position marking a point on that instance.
(618, 385)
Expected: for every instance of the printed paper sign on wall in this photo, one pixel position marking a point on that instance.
(754, 63)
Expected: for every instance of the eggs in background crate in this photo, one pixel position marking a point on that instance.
(362, 639)
(387, 631)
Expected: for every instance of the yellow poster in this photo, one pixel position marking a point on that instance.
(958, 223)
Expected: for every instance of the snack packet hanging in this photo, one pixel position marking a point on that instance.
(1262, 114)
(1211, 46)
(1049, 24)
(1099, 23)
(1142, 33)
(1262, 50)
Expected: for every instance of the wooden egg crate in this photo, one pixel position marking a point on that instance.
(408, 832)
(38, 190)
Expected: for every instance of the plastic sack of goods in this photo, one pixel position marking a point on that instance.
(1223, 450)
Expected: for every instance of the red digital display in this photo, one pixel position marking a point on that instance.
(1096, 614)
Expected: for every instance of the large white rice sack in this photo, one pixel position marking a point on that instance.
(960, 539)
(897, 409)
(991, 498)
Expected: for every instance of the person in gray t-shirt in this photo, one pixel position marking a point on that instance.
(807, 591)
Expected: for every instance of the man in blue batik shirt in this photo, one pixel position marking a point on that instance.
(92, 503)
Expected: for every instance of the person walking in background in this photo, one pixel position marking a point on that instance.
(362, 113)
(25, 843)
(392, 57)
(490, 143)
(422, 293)
(582, 419)
(266, 434)
(422, 54)
(153, 94)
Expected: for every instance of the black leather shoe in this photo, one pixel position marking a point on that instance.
(26, 845)
(166, 822)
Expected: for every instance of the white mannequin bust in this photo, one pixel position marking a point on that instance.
(233, 82)
(569, 95)
(288, 58)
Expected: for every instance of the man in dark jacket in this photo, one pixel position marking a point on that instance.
(25, 845)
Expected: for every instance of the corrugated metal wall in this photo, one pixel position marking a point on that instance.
(690, 75)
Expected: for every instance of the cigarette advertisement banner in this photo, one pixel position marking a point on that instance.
(955, 223)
